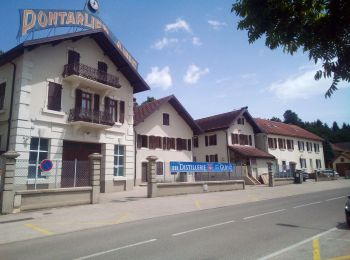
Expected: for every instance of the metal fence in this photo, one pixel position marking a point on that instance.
(282, 171)
(64, 174)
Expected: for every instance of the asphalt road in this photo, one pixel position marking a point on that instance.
(246, 231)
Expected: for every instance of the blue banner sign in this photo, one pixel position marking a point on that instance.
(32, 20)
(200, 167)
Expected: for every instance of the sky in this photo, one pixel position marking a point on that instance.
(193, 49)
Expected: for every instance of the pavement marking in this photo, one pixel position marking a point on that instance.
(121, 218)
(316, 249)
(336, 198)
(307, 204)
(279, 252)
(266, 213)
(201, 228)
(198, 204)
(39, 229)
(116, 249)
(345, 257)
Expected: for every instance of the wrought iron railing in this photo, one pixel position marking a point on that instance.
(97, 117)
(91, 73)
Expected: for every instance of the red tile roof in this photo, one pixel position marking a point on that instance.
(344, 146)
(224, 121)
(278, 128)
(147, 109)
(250, 151)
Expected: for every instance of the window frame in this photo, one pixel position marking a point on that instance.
(37, 152)
(158, 162)
(119, 165)
(166, 119)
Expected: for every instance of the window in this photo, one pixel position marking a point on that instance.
(39, 150)
(111, 106)
(309, 146)
(282, 143)
(195, 141)
(240, 121)
(302, 163)
(160, 168)
(170, 143)
(73, 57)
(318, 164)
(210, 140)
(211, 158)
(290, 144)
(2, 94)
(234, 139)
(181, 144)
(155, 142)
(119, 160)
(317, 148)
(54, 96)
(166, 120)
(86, 101)
(272, 142)
(243, 139)
(301, 146)
(142, 141)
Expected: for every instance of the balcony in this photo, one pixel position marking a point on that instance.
(99, 119)
(90, 76)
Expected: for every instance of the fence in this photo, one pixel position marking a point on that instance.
(64, 174)
(282, 171)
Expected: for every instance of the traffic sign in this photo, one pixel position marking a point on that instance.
(46, 165)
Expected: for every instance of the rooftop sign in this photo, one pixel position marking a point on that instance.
(32, 20)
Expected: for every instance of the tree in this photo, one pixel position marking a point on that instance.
(276, 119)
(335, 127)
(148, 100)
(291, 117)
(319, 27)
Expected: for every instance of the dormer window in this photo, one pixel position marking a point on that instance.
(240, 121)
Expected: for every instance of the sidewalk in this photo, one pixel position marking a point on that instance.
(116, 208)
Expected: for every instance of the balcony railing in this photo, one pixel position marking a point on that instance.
(87, 72)
(96, 117)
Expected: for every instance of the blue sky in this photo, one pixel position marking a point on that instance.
(192, 49)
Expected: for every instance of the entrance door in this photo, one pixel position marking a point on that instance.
(75, 163)
(144, 167)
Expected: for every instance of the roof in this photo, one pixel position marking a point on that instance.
(101, 38)
(225, 120)
(142, 112)
(278, 128)
(250, 151)
(344, 146)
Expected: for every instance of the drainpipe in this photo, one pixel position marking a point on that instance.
(11, 105)
(135, 149)
(227, 150)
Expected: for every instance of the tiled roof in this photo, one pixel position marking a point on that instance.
(250, 151)
(278, 128)
(344, 146)
(147, 109)
(224, 121)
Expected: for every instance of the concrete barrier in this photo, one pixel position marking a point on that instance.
(283, 181)
(40, 199)
(169, 189)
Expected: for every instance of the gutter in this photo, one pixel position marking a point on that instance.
(11, 105)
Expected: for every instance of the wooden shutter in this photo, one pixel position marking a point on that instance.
(189, 145)
(122, 111)
(139, 141)
(151, 142)
(78, 94)
(216, 158)
(250, 140)
(206, 140)
(165, 143)
(73, 57)
(96, 103)
(102, 66)
(207, 158)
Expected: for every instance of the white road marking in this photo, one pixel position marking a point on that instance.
(266, 213)
(201, 228)
(296, 245)
(335, 198)
(308, 204)
(116, 249)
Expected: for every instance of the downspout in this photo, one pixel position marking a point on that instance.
(135, 136)
(227, 150)
(11, 105)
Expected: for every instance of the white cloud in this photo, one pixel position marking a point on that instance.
(178, 25)
(302, 85)
(193, 74)
(196, 41)
(159, 45)
(216, 25)
(159, 77)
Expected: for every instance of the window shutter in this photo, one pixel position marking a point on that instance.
(189, 145)
(102, 66)
(206, 140)
(164, 143)
(73, 57)
(250, 140)
(207, 158)
(216, 158)
(139, 141)
(168, 143)
(96, 102)
(122, 111)
(78, 93)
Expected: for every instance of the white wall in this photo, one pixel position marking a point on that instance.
(245, 129)
(153, 125)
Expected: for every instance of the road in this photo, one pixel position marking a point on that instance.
(270, 228)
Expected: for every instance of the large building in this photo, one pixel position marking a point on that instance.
(164, 129)
(290, 144)
(65, 97)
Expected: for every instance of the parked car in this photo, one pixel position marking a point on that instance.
(304, 174)
(328, 173)
(347, 211)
